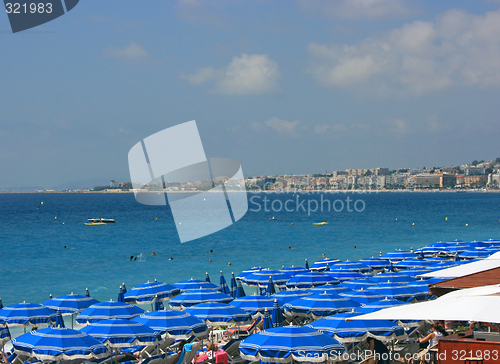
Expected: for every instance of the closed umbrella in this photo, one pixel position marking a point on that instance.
(147, 292)
(4, 334)
(24, 314)
(219, 314)
(223, 284)
(307, 265)
(234, 286)
(270, 290)
(291, 344)
(357, 331)
(58, 344)
(240, 292)
(174, 324)
(122, 333)
(121, 295)
(267, 324)
(197, 296)
(276, 315)
(59, 320)
(108, 311)
(207, 278)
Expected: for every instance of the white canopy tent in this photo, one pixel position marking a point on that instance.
(472, 304)
(493, 261)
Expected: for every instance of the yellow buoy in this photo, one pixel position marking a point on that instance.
(41, 203)
(413, 224)
(55, 218)
(156, 218)
(446, 219)
(396, 219)
(466, 224)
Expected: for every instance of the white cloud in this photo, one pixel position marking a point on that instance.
(457, 48)
(248, 74)
(131, 52)
(283, 127)
(358, 8)
(321, 129)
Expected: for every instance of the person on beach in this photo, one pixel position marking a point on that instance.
(378, 350)
(3, 359)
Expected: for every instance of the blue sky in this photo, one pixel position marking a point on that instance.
(281, 86)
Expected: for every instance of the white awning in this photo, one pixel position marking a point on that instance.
(493, 261)
(472, 304)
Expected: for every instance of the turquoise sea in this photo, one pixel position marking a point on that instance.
(34, 262)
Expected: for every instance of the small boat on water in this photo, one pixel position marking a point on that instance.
(101, 220)
(320, 223)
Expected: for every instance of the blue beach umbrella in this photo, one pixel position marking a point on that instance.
(147, 292)
(357, 330)
(58, 344)
(413, 272)
(207, 278)
(318, 305)
(473, 254)
(24, 314)
(108, 311)
(287, 296)
(430, 250)
(270, 290)
(122, 333)
(344, 275)
(254, 305)
(267, 324)
(390, 277)
(292, 271)
(174, 324)
(223, 285)
(234, 286)
(59, 320)
(121, 295)
(197, 296)
(375, 263)
(412, 263)
(379, 305)
(353, 266)
(357, 284)
(457, 248)
(70, 304)
(398, 255)
(291, 344)
(261, 278)
(329, 288)
(276, 315)
(246, 272)
(191, 284)
(310, 279)
(240, 292)
(322, 265)
(362, 296)
(441, 244)
(219, 314)
(4, 334)
(395, 290)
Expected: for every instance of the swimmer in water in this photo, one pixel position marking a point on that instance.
(170, 258)
(131, 257)
(154, 253)
(210, 260)
(324, 256)
(211, 251)
(229, 264)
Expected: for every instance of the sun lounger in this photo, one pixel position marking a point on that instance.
(243, 331)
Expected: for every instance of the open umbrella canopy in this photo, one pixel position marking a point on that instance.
(395, 290)
(70, 303)
(292, 271)
(254, 305)
(357, 331)
(398, 255)
(148, 292)
(362, 296)
(291, 343)
(191, 284)
(219, 314)
(431, 251)
(344, 275)
(261, 278)
(197, 296)
(322, 265)
(287, 296)
(175, 324)
(53, 344)
(375, 263)
(474, 253)
(413, 272)
(319, 305)
(391, 278)
(329, 288)
(379, 305)
(412, 263)
(353, 266)
(457, 248)
(24, 314)
(108, 311)
(122, 333)
(357, 284)
(246, 272)
(310, 279)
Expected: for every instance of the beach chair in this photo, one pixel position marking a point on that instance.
(232, 348)
(188, 353)
(155, 359)
(370, 360)
(243, 331)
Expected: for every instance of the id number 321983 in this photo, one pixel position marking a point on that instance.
(17, 8)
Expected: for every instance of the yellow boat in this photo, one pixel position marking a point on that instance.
(94, 223)
(320, 223)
